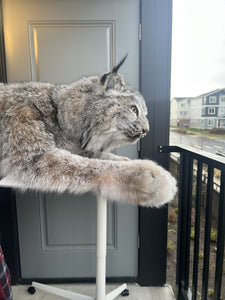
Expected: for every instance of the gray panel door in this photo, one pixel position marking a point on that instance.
(61, 41)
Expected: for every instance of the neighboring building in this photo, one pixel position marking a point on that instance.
(206, 111)
(196, 112)
(179, 112)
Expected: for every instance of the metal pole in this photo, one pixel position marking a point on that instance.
(101, 248)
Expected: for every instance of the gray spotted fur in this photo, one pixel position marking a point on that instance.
(58, 138)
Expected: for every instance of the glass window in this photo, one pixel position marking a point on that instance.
(221, 111)
(210, 122)
(197, 74)
(222, 99)
(212, 99)
(211, 110)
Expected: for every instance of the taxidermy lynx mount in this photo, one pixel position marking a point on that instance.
(58, 137)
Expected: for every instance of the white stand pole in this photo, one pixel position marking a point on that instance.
(101, 247)
(100, 263)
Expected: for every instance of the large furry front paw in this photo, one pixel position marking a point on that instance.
(157, 185)
(139, 182)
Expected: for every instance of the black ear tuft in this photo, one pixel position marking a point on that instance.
(116, 68)
(103, 78)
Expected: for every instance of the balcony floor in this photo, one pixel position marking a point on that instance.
(136, 292)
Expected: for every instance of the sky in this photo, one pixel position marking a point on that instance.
(198, 47)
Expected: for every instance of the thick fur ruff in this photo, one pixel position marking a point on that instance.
(58, 137)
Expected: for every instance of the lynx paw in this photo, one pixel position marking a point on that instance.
(158, 186)
(139, 182)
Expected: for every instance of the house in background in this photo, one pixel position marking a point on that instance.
(180, 112)
(213, 109)
(205, 111)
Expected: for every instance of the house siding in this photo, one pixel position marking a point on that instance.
(196, 112)
(200, 112)
(207, 111)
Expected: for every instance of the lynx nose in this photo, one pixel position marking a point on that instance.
(145, 131)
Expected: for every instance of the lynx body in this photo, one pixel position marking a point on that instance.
(58, 137)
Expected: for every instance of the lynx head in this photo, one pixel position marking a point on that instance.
(101, 113)
(115, 113)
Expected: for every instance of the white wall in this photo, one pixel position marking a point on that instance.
(196, 112)
(173, 112)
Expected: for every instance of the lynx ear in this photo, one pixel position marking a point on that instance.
(103, 78)
(114, 70)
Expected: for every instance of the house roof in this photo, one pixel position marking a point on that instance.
(212, 92)
(178, 99)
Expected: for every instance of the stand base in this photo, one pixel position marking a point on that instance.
(100, 263)
(75, 296)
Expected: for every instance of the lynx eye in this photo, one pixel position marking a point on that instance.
(134, 109)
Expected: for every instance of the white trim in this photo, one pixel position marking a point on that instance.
(222, 97)
(212, 99)
(221, 111)
(211, 108)
(209, 121)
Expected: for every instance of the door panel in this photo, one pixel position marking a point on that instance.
(51, 43)
(61, 41)
(57, 236)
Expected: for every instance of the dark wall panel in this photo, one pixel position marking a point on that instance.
(155, 55)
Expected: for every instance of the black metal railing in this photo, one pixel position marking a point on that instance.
(187, 271)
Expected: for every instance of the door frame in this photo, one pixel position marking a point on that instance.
(155, 67)
(3, 77)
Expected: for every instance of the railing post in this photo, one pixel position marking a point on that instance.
(184, 217)
(220, 239)
(183, 234)
(208, 221)
(197, 230)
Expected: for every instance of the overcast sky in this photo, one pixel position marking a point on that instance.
(198, 47)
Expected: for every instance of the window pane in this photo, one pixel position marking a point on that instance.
(198, 75)
(197, 108)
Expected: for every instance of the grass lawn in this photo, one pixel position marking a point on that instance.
(185, 130)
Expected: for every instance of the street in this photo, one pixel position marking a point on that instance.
(199, 141)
